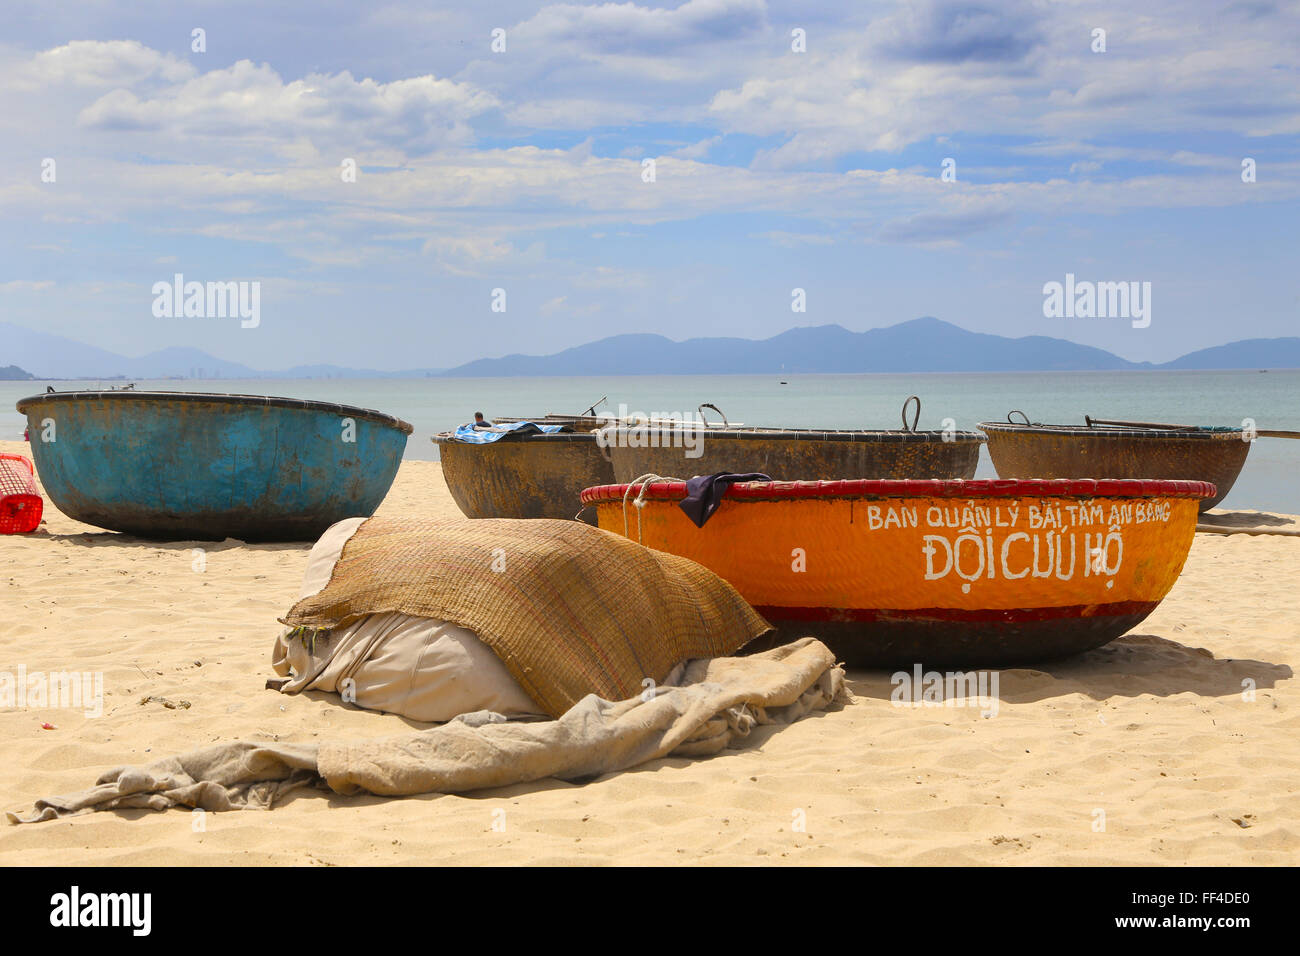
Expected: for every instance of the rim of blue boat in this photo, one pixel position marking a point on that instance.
(218, 398)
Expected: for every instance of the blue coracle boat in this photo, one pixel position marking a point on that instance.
(187, 465)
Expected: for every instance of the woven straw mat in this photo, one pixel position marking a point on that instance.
(570, 609)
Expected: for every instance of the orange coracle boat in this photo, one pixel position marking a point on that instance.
(955, 572)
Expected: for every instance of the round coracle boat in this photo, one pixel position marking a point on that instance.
(1190, 453)
(191, 465)
(888, 573)
(522, 476)
(684, 450)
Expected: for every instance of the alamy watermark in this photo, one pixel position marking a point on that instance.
(655, 430)
(919, 688)
(209, 300)
(1098, 300)
(127, 910)
(69, 690)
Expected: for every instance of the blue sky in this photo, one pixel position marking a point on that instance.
(523, 170)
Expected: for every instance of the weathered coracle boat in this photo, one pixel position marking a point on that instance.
(187, 465)
(683, 449)
(523, 475)
(959, 573)
(1107, 449)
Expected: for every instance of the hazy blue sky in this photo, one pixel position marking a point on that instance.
(522, 170)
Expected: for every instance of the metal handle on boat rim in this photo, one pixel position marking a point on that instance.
(725, 423)
(915, 418)
(1016, 411)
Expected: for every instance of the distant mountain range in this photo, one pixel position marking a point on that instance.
(56, 357)
(12, 373)
(921, 345)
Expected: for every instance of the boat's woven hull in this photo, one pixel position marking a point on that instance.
(1020, 451)
(531, 476)
(793, 455)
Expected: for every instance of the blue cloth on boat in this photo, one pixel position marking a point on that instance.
(482, 436)
(704, 493)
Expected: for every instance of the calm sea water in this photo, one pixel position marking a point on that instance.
(1270, 480)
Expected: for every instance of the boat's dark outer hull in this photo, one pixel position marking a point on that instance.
(995, 640)
(1020, 451)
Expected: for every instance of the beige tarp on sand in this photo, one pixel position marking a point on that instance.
(418, 667)
(569, 609)
(715, 704)
(424, 669)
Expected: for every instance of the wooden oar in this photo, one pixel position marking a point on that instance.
(1102, 421)
(1259, 432)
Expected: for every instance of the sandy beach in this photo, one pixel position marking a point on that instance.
(1157, 731)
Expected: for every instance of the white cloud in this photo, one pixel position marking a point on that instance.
(17, 286)
(698, 150)
(572, 66)
(791, 240)
(962, 68)
(629, 28)
(246, 101)
(943, 228)
(243, 154)
(479, 255)
(95, 63)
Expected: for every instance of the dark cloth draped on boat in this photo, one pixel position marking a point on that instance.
(704, 493)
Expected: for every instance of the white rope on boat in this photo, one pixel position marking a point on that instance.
(645, 481)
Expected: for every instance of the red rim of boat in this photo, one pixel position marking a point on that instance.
(924, 488)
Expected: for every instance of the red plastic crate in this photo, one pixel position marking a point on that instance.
(20, 504)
